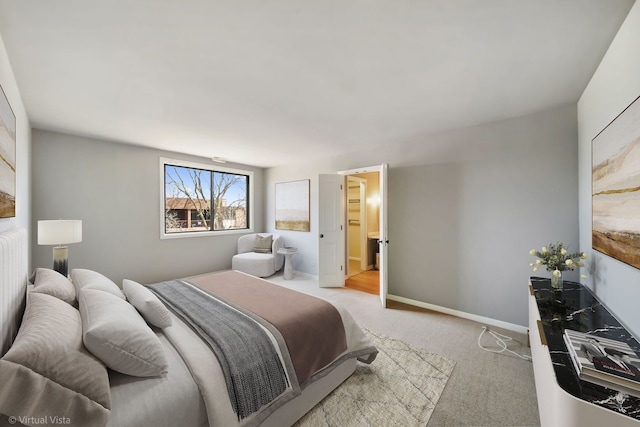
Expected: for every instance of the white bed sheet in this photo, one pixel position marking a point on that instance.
(167, 401)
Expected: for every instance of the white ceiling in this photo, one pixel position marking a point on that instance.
(259, 82)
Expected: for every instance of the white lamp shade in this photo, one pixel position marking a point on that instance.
(59, 232)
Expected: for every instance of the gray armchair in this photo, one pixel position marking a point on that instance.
(258, 254)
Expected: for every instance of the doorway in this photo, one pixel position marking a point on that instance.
(357, 220)
(363, 231)
(332, 215)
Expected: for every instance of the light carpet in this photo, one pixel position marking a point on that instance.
(401, 387)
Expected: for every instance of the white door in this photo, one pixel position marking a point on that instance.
(331, 236)
(383, 243)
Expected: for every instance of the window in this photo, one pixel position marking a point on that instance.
(198, 199)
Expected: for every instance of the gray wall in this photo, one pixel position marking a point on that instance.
(465, 208)
(115, 190)
(615, 84)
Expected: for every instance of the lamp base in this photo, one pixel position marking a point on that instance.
(61, 259)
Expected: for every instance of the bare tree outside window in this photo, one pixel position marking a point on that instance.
(171, 220)
(230, 199)
(189, 193)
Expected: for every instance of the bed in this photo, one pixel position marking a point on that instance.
(219, 349)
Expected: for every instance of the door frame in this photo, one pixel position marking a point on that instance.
(383, 242)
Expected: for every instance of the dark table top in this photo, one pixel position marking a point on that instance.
(575, 307)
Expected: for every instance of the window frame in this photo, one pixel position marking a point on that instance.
(213, 168)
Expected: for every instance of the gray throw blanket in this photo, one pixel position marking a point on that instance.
(252, 369)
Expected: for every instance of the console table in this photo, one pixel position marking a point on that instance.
(564, 399)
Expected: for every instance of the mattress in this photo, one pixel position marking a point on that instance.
(193, 392)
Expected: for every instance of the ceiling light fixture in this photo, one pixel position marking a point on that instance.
(218, 160)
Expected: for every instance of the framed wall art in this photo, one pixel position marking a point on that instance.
(615, 187)
(7, 158)
(292, 205)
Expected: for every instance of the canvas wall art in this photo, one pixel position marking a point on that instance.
(292, 206)
(7, 158)
(616, 187)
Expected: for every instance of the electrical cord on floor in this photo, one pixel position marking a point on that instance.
(500, 340)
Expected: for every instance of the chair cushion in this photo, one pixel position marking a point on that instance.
(262, 244)
(261, 265)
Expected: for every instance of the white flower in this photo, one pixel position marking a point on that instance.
(556, 259)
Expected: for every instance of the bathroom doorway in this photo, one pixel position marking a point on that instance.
(356, 225)
(332, 260)
(363, 231)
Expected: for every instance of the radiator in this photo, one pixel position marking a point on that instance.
(13, 284)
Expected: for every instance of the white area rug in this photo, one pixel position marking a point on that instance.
(400, 388)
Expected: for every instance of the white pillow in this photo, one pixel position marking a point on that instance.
(147, 303)
(115, 333)
(90, 279)
(48, 371)
(50, 282)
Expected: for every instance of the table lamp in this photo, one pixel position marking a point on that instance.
(60, 232)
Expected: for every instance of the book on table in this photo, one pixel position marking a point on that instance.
(610, 363)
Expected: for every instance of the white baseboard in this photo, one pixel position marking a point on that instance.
(445, 310)
(462, 314)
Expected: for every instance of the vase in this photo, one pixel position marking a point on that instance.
(556, 282)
